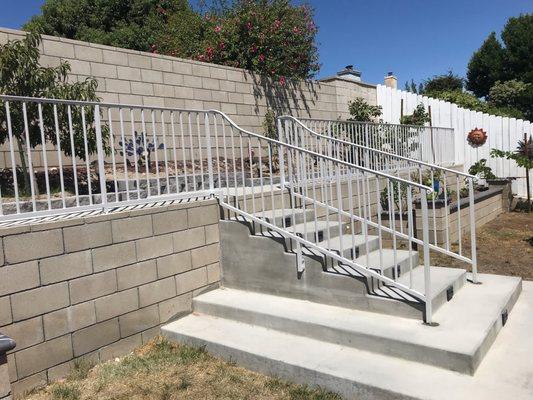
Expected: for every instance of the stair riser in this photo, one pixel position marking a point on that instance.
(345, 387)
(375, 344)
(441, 298)
(289, 220)
(333, 232)
(360, 250)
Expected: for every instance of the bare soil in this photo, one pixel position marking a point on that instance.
(504, 247)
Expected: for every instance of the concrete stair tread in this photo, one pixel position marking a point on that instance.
(279, 212)
(335, 243)
(458, 343)
(312, 226)
(373, 260)
(441, 278)
(360, 374)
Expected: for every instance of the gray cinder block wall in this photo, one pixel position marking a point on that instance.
(96, 287)
(133, 77)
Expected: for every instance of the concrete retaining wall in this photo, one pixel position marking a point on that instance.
(98, 286)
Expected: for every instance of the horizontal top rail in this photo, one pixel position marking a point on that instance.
(386, 153)
(44, 100)
(323, 156)
(371, 123)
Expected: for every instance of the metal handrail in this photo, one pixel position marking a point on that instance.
(372, 123)
(371, 149)
(193, 155)
(421, 165)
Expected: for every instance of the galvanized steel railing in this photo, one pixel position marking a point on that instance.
(69, 156)
(434, 145)
(453, 191)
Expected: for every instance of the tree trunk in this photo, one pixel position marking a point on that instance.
(24, 166)
(528, 191)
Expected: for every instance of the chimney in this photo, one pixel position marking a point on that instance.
(391, 81)
(349, 73)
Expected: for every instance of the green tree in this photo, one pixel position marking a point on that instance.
(517, 35)
(442, 83)
(418, 117)
(361, 111)
(132, 24)
(22, 75)
(486, 66)
(515, 94)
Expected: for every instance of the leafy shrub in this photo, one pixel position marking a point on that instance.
(482, 169)
(360, 110)
(418, 117)
(270, 37)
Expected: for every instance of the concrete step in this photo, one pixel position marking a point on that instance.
(323, 229)
(278, 216)
(359, 244)
(467, 329)
(389, 263)
(445, 283)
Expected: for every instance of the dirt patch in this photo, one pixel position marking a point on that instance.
(166, 371)
(504, 247)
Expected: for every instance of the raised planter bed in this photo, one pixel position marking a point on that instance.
(488, 204)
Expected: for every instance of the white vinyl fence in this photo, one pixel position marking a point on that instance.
(503, 133)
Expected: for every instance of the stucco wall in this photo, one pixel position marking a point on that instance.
(98, 286)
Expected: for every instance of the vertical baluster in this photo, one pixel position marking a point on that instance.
(85, 145)
(135, 155)
(12, 153)
(200, 155)
(73, 155)
(472, 229)
(143, 127)
(59, 159)
(124, 153)
(165, 155)
(45, 158)
(193, 164)
(154, 138)
(174, 148)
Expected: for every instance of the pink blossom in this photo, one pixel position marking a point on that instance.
(221, 45)
(277, 24)
(249, 25)
(296, 30)
(261, 57)
(282, 81)
(218, 28)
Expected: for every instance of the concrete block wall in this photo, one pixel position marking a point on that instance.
(98, 286)
(133, 77)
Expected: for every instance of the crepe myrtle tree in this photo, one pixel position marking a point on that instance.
(22, 75)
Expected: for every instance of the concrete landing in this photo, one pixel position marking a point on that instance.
(505, 373)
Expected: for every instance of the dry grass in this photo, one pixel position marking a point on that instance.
(165, 371)
(504, 247)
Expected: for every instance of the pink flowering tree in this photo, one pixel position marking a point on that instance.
(270, 37)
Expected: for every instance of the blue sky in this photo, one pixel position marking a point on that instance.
(413, 38)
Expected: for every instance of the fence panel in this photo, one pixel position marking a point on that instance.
(503, 132)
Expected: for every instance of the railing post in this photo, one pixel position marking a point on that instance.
(209, 154)
(472, 213)
(101, 156)
(281, 156)
(427, 277)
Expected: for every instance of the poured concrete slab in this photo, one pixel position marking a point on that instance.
(505, 373)
(468, 324)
